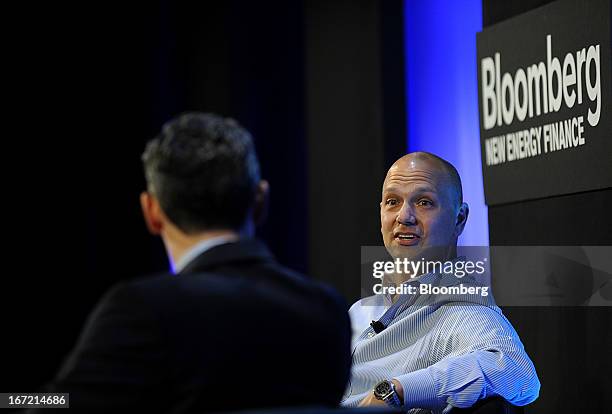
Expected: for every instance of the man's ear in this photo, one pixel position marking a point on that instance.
(462, 216)
(260, 204)
(151, 211)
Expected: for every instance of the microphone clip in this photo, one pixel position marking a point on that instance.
(378, 326)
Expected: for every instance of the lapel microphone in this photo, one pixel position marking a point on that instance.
(378, 326)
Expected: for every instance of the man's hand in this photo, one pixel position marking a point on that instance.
(372, 401)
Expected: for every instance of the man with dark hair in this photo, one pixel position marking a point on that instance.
(424, 351)
(232, 329)
(204, 172)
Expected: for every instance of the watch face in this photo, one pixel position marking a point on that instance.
(383, 389)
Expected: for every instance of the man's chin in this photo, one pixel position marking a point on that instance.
(418, 252)
(398, 251)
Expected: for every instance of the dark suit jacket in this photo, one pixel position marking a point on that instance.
(234, 330)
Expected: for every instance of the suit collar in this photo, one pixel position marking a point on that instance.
(239, 251)
(201, 248)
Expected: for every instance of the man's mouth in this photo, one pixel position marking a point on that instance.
(406, 239)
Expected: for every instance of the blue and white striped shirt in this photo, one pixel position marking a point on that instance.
(446, 350)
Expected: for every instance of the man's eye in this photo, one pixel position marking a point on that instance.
(424, 203)
(391, 202)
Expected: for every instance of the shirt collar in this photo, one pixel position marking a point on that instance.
(200, 248)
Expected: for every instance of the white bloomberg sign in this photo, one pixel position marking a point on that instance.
(544, 91)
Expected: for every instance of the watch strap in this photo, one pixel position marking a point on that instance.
(393, 399)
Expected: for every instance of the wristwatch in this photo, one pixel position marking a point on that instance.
(385, 391)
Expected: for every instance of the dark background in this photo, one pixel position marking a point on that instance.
(321, 86)
(315, 82)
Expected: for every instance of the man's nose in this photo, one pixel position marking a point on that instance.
(406, 216)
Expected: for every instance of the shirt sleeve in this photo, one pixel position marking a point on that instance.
(489, 361)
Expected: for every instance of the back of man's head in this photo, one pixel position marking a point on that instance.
(204, 172)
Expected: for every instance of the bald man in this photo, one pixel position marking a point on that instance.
(432, 352)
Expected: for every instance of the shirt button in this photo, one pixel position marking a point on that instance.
(371, 334)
